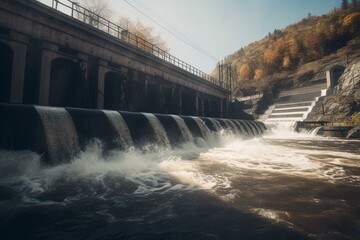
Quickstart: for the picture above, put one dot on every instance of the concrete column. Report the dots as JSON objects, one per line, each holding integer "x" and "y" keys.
{"x": 180, "y": 102}
{"x": 101, "y": 84}
{"x": 202, "y": 106}
{"x": 18, "y": 72}
{"x": 45, "y": 75}
{"x": 329, "y": 79}
{"x": 222, "y": 102}
{"x": 197, "y": 110}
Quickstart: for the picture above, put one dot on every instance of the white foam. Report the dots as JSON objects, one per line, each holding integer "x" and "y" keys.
{"x": 185, "y": 169}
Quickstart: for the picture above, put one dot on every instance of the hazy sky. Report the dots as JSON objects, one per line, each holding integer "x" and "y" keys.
{"x": 219, "y": 27}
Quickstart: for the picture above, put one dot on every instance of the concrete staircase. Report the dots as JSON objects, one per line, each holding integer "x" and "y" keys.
{"x": 295, "y": 104}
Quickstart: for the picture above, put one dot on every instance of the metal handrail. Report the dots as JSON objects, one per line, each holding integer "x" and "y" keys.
{"x": 86, "y": 16}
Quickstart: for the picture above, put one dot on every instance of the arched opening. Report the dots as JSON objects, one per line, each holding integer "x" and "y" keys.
{"x": 6, "y": 63}
{"x": 338, "y": 70}
{"x": 115, "y": 91}
{"x": 68, "y": 84}
{"x": 188, "y": 102}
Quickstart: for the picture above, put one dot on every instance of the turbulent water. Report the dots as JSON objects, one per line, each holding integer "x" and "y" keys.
{"x": 280, "y": 186}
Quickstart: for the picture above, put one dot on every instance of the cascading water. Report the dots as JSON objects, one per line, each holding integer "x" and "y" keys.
{"x": 250, "y": 128}
{"x": 120, "y": 126}
{"x": 232, "y": 126}
{"x": 185, "y": 132}
{"x": 247, "y": 128}
{"x": 242, "y": 128}
{"x": 281, "y": 186}
{"x": 204, "y": 129}
{"x": 255, "y": 127}
{"x": 314, "y": 131}
{"x": 159, "y": 130}
{"x": 61, "y": 136}
{"x": 216, "y": 124}
{"x": 239, "y": 127}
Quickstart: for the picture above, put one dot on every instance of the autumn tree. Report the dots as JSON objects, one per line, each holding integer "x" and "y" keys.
{"x": 94, "y": 11}
{"x": 140, "y": 35}
{"x": 283, "y": 50}
{"x": 351, "y": 22}
{"x": 244, "y": 71}
{"x": 259, "y": 74}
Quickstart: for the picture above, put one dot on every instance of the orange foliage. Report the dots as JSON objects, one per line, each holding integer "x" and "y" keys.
{"x": 310, "y": 39}
{"x": 244, "y": 71}
{"x": 259, "y": 74}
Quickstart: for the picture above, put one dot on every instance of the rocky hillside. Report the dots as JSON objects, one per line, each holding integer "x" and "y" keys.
{"x": 344, "y": 104}
{"x": 288, "y": 57}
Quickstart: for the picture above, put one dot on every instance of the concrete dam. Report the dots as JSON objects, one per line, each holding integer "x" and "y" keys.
{"x": 58, "y": 134}
{"x": 68, "y": 81}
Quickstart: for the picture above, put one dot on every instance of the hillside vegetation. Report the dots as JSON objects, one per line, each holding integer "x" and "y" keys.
{"x": 276, "y": 58}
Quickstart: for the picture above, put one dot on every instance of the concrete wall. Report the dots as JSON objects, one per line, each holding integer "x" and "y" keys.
{"x": 39, "y": 36}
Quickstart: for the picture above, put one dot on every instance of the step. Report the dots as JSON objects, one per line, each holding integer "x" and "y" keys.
{"x": 299, "y": 98}
{"x": 290, "y": 105}
{"x": 295, "y": 91}
{"x": 295, "y": 119}
{"x": 286, "y": 110}
{"x": 296, "y": 115}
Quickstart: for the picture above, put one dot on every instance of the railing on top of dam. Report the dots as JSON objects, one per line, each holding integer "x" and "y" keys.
{"x": 84, "y": 15}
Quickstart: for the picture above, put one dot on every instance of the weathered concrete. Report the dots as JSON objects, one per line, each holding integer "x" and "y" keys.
{"x": 60, "y": 61}
{"x": 336, "y": 131}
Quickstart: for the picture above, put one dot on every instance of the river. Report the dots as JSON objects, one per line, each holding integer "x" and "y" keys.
{"x": 280, "y": 186}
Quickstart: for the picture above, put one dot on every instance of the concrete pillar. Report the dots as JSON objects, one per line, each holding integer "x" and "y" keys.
{"x": 45, "y": 75}
{"x": 202, "y": 106}
{"x": 222, "y": 107}
{"x": 161, "y": 100}
{"x": 101, "y": 84}
{"x": 180, "y": 102}
{"x": 329, "y": 79}
{"x": 18, "y": 73}
{"x": 197, "y": 110}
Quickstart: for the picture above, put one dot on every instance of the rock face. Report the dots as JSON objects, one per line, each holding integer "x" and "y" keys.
{"x": 345, "y": 99}
{"x": 354, "y": 133}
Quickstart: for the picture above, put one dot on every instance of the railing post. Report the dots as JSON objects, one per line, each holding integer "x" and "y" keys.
{"x": 72, "y": 9}
{"x": 56, "y": 4}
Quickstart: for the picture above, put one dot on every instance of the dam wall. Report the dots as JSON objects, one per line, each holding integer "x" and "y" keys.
{"x": 58, "y": 133}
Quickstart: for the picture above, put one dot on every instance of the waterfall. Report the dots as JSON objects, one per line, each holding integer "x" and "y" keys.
{"x": 185, "y": 132}
{"x": 119, "y": 124}
{"x": 224, "y": 124}
{"x": 246, "y": 127}
{"x": 262, "y": 126}
{"x": 232, "y": 126}
{"x": 216, "y": 124}
{"x": 259, "y": 127}
{"x": 251, "y": 127}
{"x": 240, "y": 127}
{"x": 255, "y": 127}
{"x": 314, "y": 131}
{"x": 205, "y": 131}
{"x": 60, "y": 133}
{"x": 159, "y": 131}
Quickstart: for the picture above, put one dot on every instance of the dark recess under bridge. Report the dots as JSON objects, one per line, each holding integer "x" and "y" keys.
{"x": 64, "y": 56}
